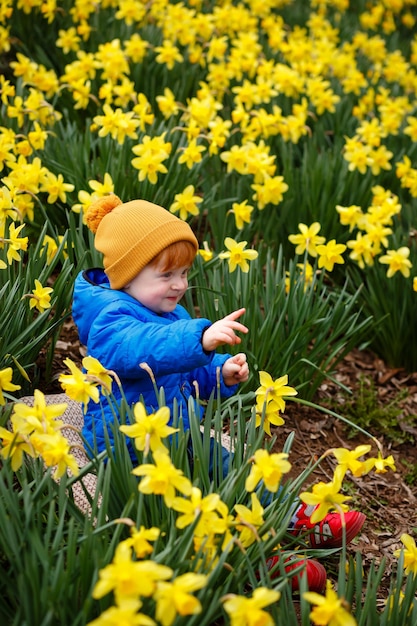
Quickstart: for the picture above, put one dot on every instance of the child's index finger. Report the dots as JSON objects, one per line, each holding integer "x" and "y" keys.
{"x": 236, "y": 314}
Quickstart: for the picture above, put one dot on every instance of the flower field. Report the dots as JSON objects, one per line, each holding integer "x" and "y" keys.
{"x": 285, "y": 133}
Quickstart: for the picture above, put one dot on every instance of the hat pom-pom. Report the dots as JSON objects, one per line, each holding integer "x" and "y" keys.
{"x": 99, "y": 209}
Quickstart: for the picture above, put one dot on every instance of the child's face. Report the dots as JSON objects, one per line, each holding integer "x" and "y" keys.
{"x": 160, "y": 291}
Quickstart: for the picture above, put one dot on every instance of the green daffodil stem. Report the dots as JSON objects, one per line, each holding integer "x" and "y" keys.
{"x": 341, "y": 582}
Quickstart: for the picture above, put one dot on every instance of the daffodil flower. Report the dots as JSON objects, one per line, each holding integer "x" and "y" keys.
{"x": 68, "y": 40}
{"x": 349, "y": 460}
{"x": 270, "y": 191}
{"x": 207, "y": 254}
{"x": 196, "y": 507}
{"x": 245, "y": 611}
{"x": 41, "y": 297}
{"x": 330, "y": 610}
{"x": 237, "y": 255}
{"x": 144, "y": 111}
{"x": 397, "y": 261}
{"x": 167, "y": 103}
{"x": 175, "y": 598}
{"x": 268, "y": 411}
{"x": 242, "y": 212}
{"x": 150, "y": 154}
{"x": 162, "y": 478}
{"x": 275, "y": 390}
{"x": 140, "y": 540}
{"x": 191, "y": 154}
{"x": 85, "y": 199}
{"x": 129, "y": 579}
{"x": 51, "y": 248}
{"x": 36, "y": 432}
{"x": 363, "y": 250}
{"x": 102, "y": 188}
{"x": 125, "y": 614}
{"x": 168, "y": 54}
{"x": 410, "y": 554}
{"x": 308, "y": 239}
{"x": 185, "y": 203}
{"x": 6, "y": 383}
{"x": 149, "y": 430}
{"x": 330, "y": 254}
{"x": 15, "y": 242}
{"x": 41, "y": 417}
{"x": 269, "y": 468}
{"x": 96, "y": 372}
{"x": 77, "y": 386}
{"x": 249, "y": 520}
{"x": 306, "y": 273}
{"x": 118, "y": 123}
{"x": 222, "y": 524}
{"x": 381, "y": 464}
{"x": 55, "y": 450}
{"x": 14, "y": 446}
{"x": 56, "y": 187}
{"x": 357, "y": 154}
{"x": 6, "y": 206}
{"x": 349, "y": 215}
{"x": 325, "y": 497}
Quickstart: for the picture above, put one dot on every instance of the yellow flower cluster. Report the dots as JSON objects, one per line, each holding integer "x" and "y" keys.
{"x": 326, "y": 497}
{"x": 245, "y": 53}
{"x": 373, "y": 227}
{"x": 270, "y": 400}
{"x": 25, "y": 181}
{"x": 83, "y": 386}
{"x": 309, "y": 242}
{"x": 36, "y": 431}
{"x": 133, "y": 580}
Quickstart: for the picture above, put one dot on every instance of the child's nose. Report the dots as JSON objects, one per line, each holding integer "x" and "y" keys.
{"x": 180, "y": 282}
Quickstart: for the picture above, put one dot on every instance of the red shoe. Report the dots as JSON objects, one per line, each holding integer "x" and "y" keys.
{"x": 311, "y": 569}
{"x": 329, "y": 532}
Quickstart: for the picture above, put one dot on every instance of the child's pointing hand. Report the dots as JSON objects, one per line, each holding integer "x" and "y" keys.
{"x": 224, "y": 331}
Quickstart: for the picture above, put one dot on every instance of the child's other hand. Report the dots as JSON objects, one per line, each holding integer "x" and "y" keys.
{"x": 223, "y": 331}
{"x": 235, "y": 370}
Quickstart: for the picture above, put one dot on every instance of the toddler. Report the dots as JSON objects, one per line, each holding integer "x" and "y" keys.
{"x": 129, "y": 313}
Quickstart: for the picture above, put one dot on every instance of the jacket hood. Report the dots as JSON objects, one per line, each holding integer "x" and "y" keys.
{"x": 92, "y": 292}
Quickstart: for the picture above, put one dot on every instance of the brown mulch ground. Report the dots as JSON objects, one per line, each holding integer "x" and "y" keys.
{"x": 388, "y": 500}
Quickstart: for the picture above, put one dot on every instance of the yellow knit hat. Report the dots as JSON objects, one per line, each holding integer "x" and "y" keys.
{"x": 131, "y": 234}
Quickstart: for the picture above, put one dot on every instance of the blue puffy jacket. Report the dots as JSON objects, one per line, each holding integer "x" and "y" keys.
{"x": 122, "y": 333}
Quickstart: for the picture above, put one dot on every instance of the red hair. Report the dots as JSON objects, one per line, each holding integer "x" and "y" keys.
{"x": 178, "y": 254}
